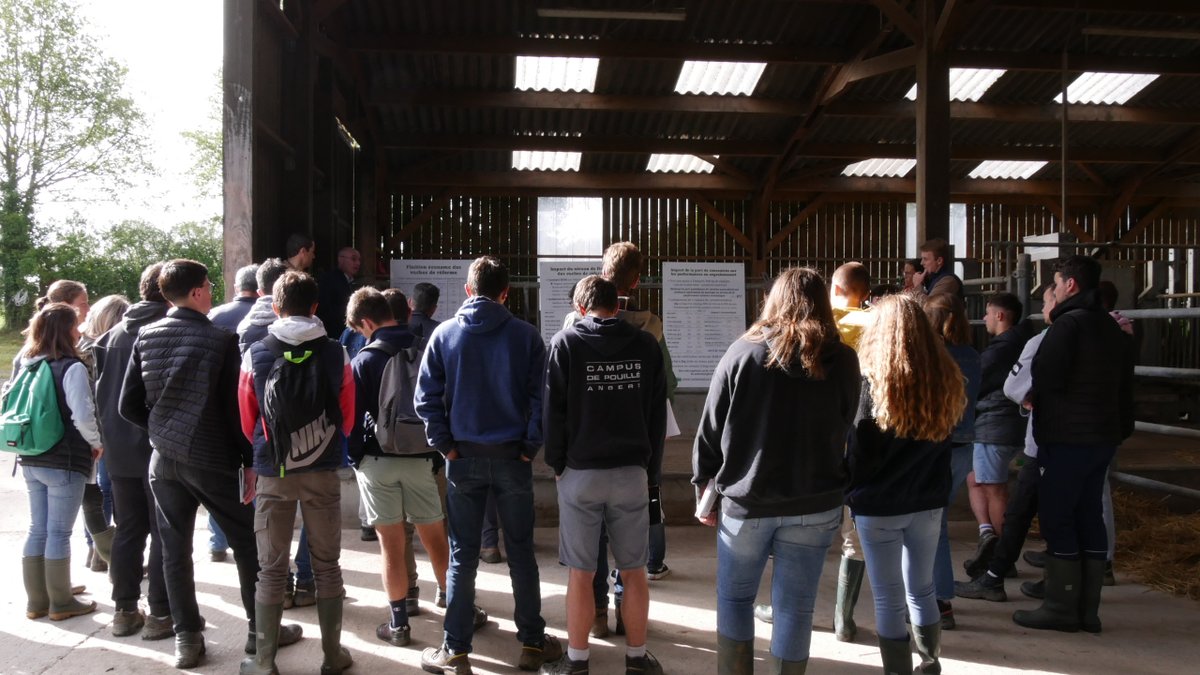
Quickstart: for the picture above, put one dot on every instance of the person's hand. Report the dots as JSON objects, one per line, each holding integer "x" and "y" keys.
{"x": 525, "y": 459}
{"x": 97, "y": 453}
{"x": 918, "y": 280}
{"x": 249, "y": 485}
{"x": 452, "y": 455}
{"x": 710, "y": 520}
{"x": 1027, "y": 404}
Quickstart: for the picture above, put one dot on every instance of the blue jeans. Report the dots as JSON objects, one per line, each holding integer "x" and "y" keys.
{"x": 468, "y": 481}
{"x": 943, "y": 565}
{"x": 799, "y": 544}
{"x": 54, "y": 499}
{"x": 217, "y": 542}
{"x": 304, "y": 570}
{"x": 105, "y": 483}
{"x": 899, "y": 552}
{"x": 1070, "y": 499}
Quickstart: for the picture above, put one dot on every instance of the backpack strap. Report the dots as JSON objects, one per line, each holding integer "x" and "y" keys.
{"x": 383, "y": 347}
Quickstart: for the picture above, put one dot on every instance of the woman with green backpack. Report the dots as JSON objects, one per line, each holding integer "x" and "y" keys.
{"x": 55, "y": 475}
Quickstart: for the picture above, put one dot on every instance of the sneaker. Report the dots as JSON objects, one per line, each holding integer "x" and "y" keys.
{"x": 948, "y": 622}
{"x": 1035, "y": 558}
{"x": 480, "y": 618}
{"x": 127, "y": 622}
{"x": 218, "y": 556}
{"x": 442, "y": 660}
{"x": 764, "y": 613}
{"x": 412, "y": 601}
{"x": 533, "y": 656}
{"x": 368, "y": 534}
{"x": 600, "y": 624}
{"x": 305, "y": 595}
{"x": 655, "y": 575}
{"x": 643, "y": 665}
{"x": 982, "y": 587}
{"x": 158, "y": 628}
{"x": 983, "y": 554}
{"x": 490, "y": 555}
{"x": 565, "y": 666}
{"x": 397, "y": 637}
{"x": 439, "y": 600}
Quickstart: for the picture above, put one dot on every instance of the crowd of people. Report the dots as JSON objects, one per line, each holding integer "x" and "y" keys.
{"x": 845, "y": 411}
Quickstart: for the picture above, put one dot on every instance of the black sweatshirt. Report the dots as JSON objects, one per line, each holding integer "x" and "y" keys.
{"x": 775, "y": 439}
{"x": 605, "y": 404}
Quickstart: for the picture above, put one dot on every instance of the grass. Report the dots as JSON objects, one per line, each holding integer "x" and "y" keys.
{"x": 10, "y": 344}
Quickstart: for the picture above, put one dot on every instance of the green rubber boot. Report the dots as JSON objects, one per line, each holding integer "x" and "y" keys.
{"x": 783, "y": 667}
{"x": 1060, "y": 608}
{"x": 329, "y": 616}
{"x": 1093, "y": 572}
{"x": 63, "y": 604}
{"x": 266, "y": 640}
{"x": 103, "y": 542}
{"x": 33, "y": 570}
{"x": 850, "y": 577}
{"x": 734, "y": 657}
{"x": 929, "y": 646}
{"x": 896, "y": 655}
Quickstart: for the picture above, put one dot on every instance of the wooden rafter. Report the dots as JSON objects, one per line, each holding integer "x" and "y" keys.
{"x": 725, "y": 167}
{"x": 1149, "y": 217}
{"x": 1076, "y": 229}
{"x": 898, "y": 14}
{"x": 439, "y": 202}
{"x": 720, "y": 219}
{"x": 796, "y": 221}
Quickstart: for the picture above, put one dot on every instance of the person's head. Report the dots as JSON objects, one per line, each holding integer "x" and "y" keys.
{"x": 796, "y": 321}
{"x": 948, "y": 316}
{"x": 1074, "y": 275}
{"x": 294, "y": 294}
{"x": 148, "y": 285}
{"x": 622, "y": 265}
{"x": 881, "y": 291}
{"x": 300, "y": 250}
{"x": 488, "y": 277}
{"x": 53, "y": 332}
{"x": 349, "y": 261}
{"x": 1003, "y": 312}
{"x": 935, "y": 254}
{"x": 68, "y": 292}
{"x": 105, "y": 314}
{"x": 268, "y": 273}
{"x": 398, "y": 302}
{"x": 1048, "y": 303}
{"x": 367, "y": 311}
{"x": 1108, "y": 294}
{"x": 899, "y": 343}
{"x": 184, "y": 283}
{"x": 246, "y": 280}
{"x": 850, "y": 285}
{"x": 595, "y": 295}
{"x": 425, "y": 298}
{"x": 910, "y": 268}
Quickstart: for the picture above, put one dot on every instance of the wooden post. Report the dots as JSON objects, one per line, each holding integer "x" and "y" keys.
{"x": 238, "y": 123}
{"x": 933, "y": 130}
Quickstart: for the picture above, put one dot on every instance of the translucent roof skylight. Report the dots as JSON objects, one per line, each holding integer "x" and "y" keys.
{"x": 537, "y": 160}
{"x": 966, "y": 84}
{"x": 719, "y": 77}
{"x": 993, "y": 168}
{"x": 1111, "y": 88}
{"x": 556, "y": 73}
{"x": 896, "y": 168}
{"x": 678, "y": 164}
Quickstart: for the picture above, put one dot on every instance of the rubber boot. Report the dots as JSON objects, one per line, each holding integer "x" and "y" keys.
{"x": 783, "y": 667}
{"x": 63, "y": 604}
{"x": 266, "y": 640}
{"x": 734, "y": 657}
{"x": 103, "y": 543}
{"x": 33, "y": 569}
{"x": 1089, "y": 594}
{"x": 850, "y": 577}
{"x": 896, "y": 655}
{"x": 1060, "y": 608}
{"x": 329, "y": 616}
{"x": 189, "y": 649}
{"x": 929, "y": 646}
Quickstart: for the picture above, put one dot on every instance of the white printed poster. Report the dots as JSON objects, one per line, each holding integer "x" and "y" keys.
{"x": 704, "y": 311}
{"x": 448, "y": 275}
{"x": 556, "y": 278}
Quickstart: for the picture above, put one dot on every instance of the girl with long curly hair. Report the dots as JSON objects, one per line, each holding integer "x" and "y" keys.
{"x": 899, "y": 454}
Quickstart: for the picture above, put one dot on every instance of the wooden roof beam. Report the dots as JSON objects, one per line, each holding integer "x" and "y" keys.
{"x": 1142, "y": 7}
{"x": 900, "y": 17}
{"x": 572, "y": 100}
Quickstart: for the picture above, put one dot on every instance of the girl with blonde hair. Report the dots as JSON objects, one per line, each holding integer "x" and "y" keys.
{"x": 771, "y": 443}
{"x": 899, "y": 454}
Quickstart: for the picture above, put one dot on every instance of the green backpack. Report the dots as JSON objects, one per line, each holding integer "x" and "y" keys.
{"x": 29, "y": 417}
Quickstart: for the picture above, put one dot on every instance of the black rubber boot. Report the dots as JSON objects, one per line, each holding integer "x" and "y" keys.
{"x": 734, "y": 657}
{"x": 33, "y": 570}
{"x": 896, "y": 655}
{"x": 189, "y": 649}
{"x": 850, "y": 577}
{"x": 266, "y": 640}
{"x": 1089, "y": 594}
{"x": 329, "y": 616}
{"x": 782, "y": 667}
{"x": 1060, "y": 608}
{"x": 929, "y": 646}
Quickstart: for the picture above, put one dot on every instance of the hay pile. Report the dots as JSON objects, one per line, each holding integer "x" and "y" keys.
{"x": 1158, "y": 548}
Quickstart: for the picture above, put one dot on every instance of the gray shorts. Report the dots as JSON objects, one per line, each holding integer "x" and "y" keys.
{"x": 618, "y": 498}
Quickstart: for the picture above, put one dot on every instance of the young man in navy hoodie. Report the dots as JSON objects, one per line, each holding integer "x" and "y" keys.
{"x": 307, "y": 476}
{"x": 480, "y": 396}
{"x": 605, "y": 416}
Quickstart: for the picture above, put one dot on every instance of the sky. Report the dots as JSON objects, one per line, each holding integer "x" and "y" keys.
{"x": 173, "y": 52}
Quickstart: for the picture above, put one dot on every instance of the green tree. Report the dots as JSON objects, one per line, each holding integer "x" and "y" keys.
{"x": 63, "y": 118}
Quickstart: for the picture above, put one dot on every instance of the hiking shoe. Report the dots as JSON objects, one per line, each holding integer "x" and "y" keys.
{"x": 600, "y": 624}
{"x": 480, "y": 617}
{"x": 369, "y": 534}
{"x": 565, "y": 666}
{"x": 982, "y": 587}
{"x": 490, "y": 555}
{"x": 305, "y": 595}
{"x": 533, "y": 656}
{"x": 764, "y": 613}
{"x": 397, "y": 637}
{"x": 1034, "y": 589}
{"x": 656, "y": 574}
{"x": 439, "y": 600}
{"x": 158, "y": 628}
{"x": 643, "y": 665}
{"x": 948, "y": 622}
{"x": 442, "y": 660}
{"x": 412, "y": 601}
{"x": 1034, "y": 558}
{"x": 127, "y": 622}
{"x": 218, "y": 556}
{"x": 983, "y": 554}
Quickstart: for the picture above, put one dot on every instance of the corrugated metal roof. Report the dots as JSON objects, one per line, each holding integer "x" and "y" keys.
{"x": 966, "y": 84}
{"x": 880, "y": 167}
{"x": 1006, "y": 169}
{"x": 1106, "y": 88}
{"x": 718, "y": 77}
{"x": 527, "y": 160}
{"x": 556, "y": 73}
{"x": 661, "y": 163}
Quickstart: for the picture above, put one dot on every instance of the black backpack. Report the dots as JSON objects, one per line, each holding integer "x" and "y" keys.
{"x": 299, "y": 407}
